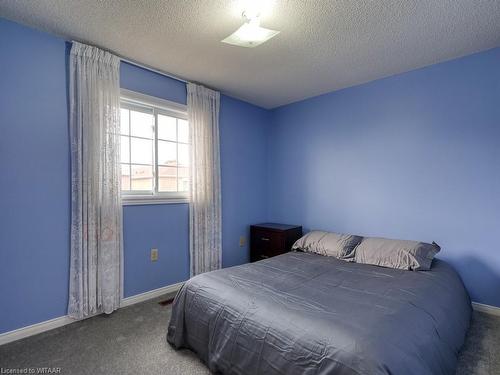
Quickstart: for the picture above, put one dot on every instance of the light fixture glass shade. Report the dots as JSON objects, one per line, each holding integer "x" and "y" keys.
{"x": 250, "y": 34}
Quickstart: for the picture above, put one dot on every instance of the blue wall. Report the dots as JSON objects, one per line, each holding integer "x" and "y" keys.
{"x": 243, "y": 134}
{"x": 34, "y": 149}
{"x": 413, "y": 156}
{"x": 34, "y": 177}
{"x": 165, "y": 227}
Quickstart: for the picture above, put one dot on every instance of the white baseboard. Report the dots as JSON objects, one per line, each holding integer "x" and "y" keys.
{"x": 34, "y": 329}
{"x": 488, "y": 309}
{"x": 151, "y": 294}
{"x": 47, "y": 325}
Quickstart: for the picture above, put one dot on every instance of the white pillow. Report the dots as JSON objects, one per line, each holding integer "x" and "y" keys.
{"x": 330, "y": 244}
{"x": 399, "y": 254}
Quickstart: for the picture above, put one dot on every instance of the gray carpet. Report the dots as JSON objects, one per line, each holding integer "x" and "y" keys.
{"x": 132, "y": 341}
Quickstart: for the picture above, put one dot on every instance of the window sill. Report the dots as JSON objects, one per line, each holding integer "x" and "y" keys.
{"x": 147, "y": 200}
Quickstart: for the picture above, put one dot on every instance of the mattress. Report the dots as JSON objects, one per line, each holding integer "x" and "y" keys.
{"x": 302, "y": 313}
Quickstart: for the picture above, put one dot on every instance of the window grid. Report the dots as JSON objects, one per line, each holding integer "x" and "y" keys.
{"x": 177, "y": 142}
{"x": 131, "y": 162}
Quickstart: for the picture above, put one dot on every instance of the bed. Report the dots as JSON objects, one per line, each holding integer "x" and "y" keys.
{"x": 303, "y": 313}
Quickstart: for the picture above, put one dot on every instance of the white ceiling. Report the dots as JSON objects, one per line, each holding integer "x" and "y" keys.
{"x": 324, "y": 45}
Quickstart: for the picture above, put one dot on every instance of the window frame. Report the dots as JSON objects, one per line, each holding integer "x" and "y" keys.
{"x": 132, "y": 99}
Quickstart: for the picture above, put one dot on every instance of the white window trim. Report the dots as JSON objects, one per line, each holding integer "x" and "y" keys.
{"x": 141, "y": 200}
{"x": 166, "y": 107}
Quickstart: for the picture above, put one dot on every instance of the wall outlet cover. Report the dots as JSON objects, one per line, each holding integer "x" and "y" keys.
{"x": 154, "y": 255}
{"x": 243, "y": 241}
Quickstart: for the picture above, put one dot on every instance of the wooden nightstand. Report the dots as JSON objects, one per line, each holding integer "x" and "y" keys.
{"x": 271, "y": 239}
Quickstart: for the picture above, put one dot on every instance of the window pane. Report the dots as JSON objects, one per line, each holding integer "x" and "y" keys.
{"x": 125, "y": 177}
{"x": 183, "y": 129}
{"x": 167, "y": 179}
{"x": 124, "y": 121}
{"x": 141, "y": 124}
{"x": 125, "y": 149}
{"x": 141, "y": 151}
{"x": 183, "y": 154}
{"x": 142, "y": 177}
{"x": 167, "y": 153}
{"x": 167, "y": 128}
{"x": 183, "y": 184}
{"x": 183, "y": 179}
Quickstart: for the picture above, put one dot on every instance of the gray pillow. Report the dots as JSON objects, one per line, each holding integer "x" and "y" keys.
{"x": 400, "y": 254}
{"x": 340, "y": 246}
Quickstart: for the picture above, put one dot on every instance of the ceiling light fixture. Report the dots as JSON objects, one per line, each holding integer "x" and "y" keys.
{"x": 250, "y": 34}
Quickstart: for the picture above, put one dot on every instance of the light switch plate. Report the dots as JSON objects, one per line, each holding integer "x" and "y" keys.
{"x": 154, "y": 255}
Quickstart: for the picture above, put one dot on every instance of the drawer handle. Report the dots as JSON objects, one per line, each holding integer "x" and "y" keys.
{"x": 264, "y": 239}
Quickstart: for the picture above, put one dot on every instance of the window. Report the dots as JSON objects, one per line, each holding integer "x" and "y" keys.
{"x": 154, "y": 149}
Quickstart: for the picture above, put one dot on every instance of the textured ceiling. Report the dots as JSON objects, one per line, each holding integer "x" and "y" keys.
{"x": 324, "y": 45}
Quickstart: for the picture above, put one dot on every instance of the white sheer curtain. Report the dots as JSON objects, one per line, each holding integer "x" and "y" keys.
{"x": 96, "y": 213}
{"x": 205, "y": 232}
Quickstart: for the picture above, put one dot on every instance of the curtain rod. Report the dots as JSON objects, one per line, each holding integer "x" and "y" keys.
{"x": 147, "y": 67}
{"x": 143, "y": 66}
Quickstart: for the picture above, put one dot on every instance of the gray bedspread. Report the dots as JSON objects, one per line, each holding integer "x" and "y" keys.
{"x": 302, "y": 313}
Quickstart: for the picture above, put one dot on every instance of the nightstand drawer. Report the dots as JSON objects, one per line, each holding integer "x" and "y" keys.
{"x": 267, "y": 242}
{"x": 270, "y": 239}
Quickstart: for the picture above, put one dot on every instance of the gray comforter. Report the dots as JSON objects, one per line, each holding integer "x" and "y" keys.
{"x": 302, "y": 313}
